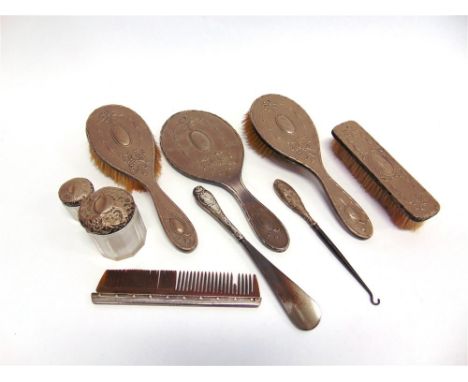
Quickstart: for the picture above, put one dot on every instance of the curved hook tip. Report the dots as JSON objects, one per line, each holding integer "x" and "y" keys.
{"x": 374, "y": 302}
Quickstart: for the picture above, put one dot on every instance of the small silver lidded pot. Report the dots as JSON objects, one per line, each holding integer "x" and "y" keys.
{"x": 111, "y": 218}
{"x": 73, "y": 192}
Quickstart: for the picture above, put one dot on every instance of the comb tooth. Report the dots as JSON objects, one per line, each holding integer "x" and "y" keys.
{"x": 202, "y": 281}
{"x": 249, "y": 289}
{"x": 192, "y": 279}
{"x": 255, "y": 291}
{"x": 184, "y": 285}
{"x": 223, "y": 282}
{"x": 216, "y": 282}
{"x": 197, "y": 281}
{"x": 187, "y": 282}
{"x": 190, "y": 282}
{"x": 187, "y": 286}
{"x": 181, "y": 280}
{"x": 197, "y": 284}
{"x": 203, "y": 284}
{"x": 238, "y": 284}
{"x": 215, "y": 279}
{"x": 189, "y": 279}
{"x": 209, "y": 283}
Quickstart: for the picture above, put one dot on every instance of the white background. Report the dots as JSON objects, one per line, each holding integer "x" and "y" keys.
{"x": 403, "y": 79}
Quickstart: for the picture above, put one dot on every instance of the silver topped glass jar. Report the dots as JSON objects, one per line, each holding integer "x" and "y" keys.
{"x": 73, "y": 192}
{"x": 111, "y": 218}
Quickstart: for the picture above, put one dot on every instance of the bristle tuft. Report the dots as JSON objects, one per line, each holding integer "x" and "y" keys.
{"x": 125, "y": 181}
{"x": 397, "y": 214}
{"x": 157, "y": 161}
{"x": 254, "y": 140}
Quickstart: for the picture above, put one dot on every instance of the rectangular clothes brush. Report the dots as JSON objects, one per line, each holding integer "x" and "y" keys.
{"x": 407, "y": 202}
{"x": 155, "y": 287}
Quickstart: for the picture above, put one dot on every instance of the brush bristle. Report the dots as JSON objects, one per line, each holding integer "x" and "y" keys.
{"x": 157, "y": 161}
{"x": 125, "y": 181}
{"x": 397, "y": 214}
{"x": 254, "y": 140}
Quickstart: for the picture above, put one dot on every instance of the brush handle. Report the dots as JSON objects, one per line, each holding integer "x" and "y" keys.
{"x": 177, "y": 226}
{"x": 348, "y": 210}
{"x": 301, "y": 309}
{"x": 266, "y": 225}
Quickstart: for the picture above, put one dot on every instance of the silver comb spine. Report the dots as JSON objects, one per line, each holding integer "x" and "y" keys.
{"x": 152, "y": 299}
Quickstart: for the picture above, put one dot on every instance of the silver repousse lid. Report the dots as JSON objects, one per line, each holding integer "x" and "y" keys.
{"x": 106, "y": 211}
{"x": 74, "y": 191}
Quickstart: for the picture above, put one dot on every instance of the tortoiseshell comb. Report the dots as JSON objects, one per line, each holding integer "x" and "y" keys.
{"x": 154, "y": 287}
